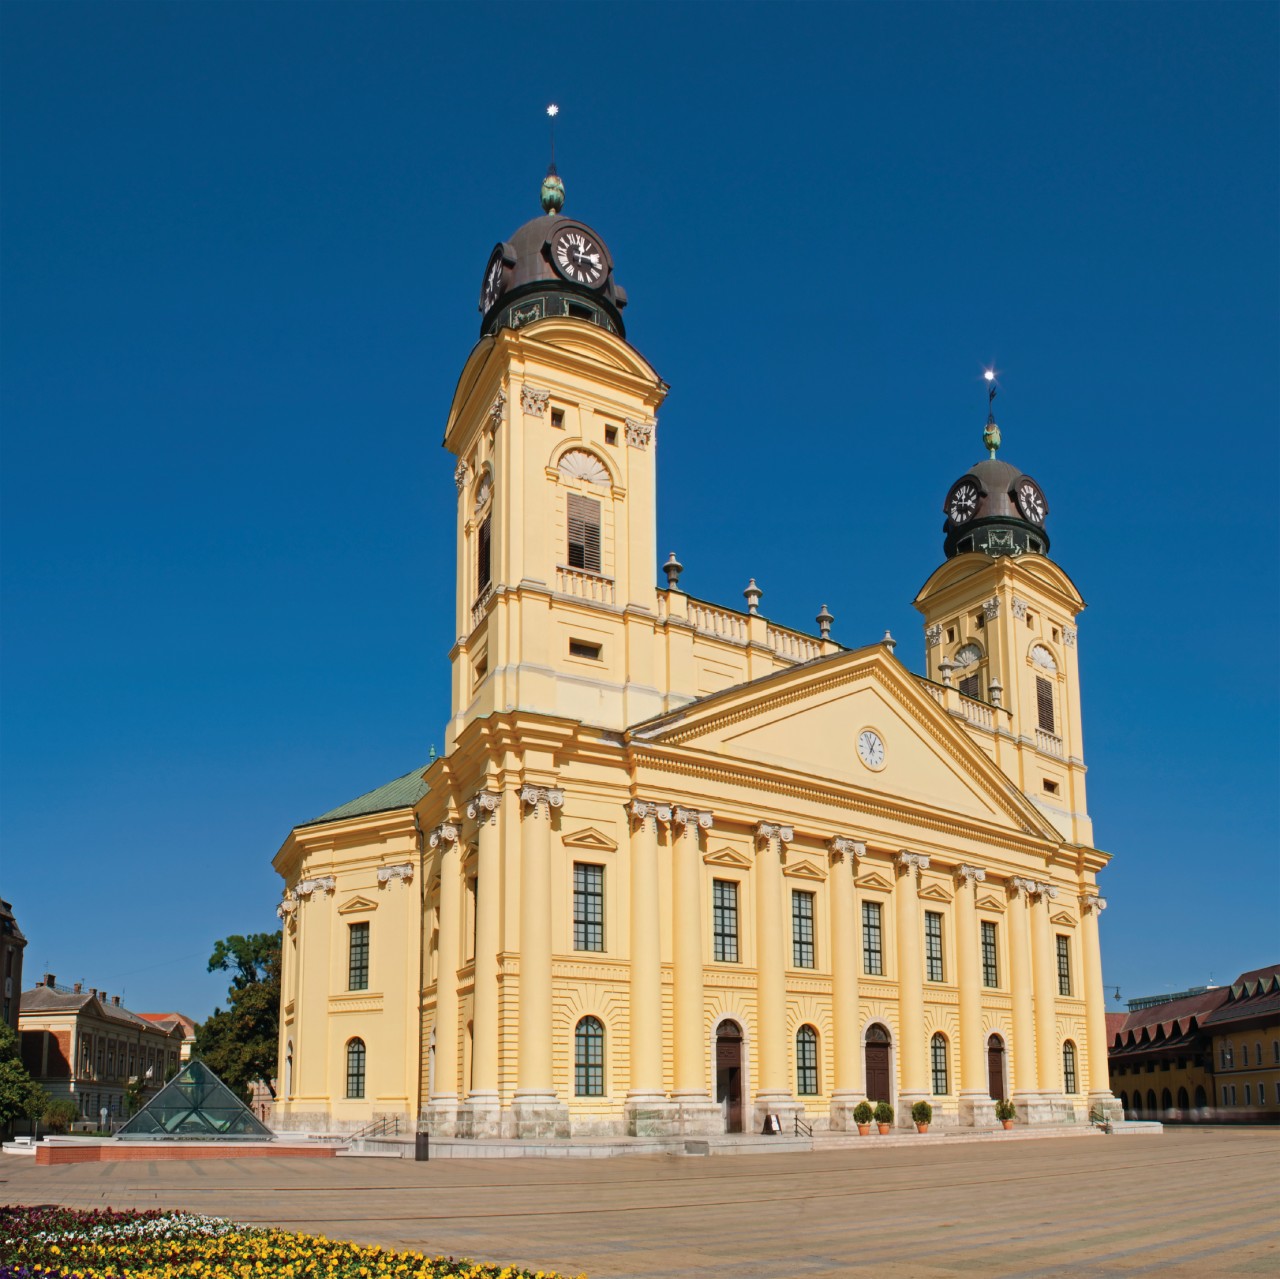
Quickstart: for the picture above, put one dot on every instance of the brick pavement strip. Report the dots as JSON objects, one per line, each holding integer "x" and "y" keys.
{"x": 1191, "y": 1203}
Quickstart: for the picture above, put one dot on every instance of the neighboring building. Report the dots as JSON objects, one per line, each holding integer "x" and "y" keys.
{"x": 680, "y": 867}
{"x": 86, "y": 1046}
{"x": 12, "y": 944}
{"x": 167, "y": 1021}
{"x": 261, "y": 1101}
{"x": 1209, "y": 1056}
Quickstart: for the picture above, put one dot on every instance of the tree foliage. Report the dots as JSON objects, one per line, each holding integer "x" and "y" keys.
{"x": 20, "y": 1096}
{"x": 238, "y": 1043}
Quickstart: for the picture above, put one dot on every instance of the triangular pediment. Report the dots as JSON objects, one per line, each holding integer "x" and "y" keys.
{"x": 805, "y": 870}
{"x": 872, "y": 880}
{"x": 806, "y": 722}
{"x": 727, "y": 857}
{"x": 991, "y": 901}
{"x": 353, "y": 905}
{"x": 1062, "y": 917}
{"x": 592, "y": 839}
{"x": 935, "y": 893}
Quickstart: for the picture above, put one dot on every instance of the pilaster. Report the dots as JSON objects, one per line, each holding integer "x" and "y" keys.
{"x": 442, "y": 1105}
{"x": 914, "y": 1079}
{"x": 843, "y": 855}
{"x": 1100, "y": 1095}
{"x": 977, "y": 1108}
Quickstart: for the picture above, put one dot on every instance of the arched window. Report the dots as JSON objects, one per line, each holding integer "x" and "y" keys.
{"x": 1124, "y": 1102}
{"x": 807, "y": 1061}
{"x": 355, "y": 1068}
{"x": 1166, "y": 1103}
{"x": 1184, "y": 1102}
{"x": 938, "y": 1059}
{"x": 588, "y": 1058}
{"x": 1069, "y": 1067}
{"x": 1151, "y": 1103}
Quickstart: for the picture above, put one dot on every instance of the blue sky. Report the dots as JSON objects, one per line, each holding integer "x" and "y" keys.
{"x": 241, "y": 246}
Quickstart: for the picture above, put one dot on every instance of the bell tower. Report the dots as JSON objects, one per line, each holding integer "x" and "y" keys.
{"x": 1000, "y": 624}
{"x": 553, "y": 425}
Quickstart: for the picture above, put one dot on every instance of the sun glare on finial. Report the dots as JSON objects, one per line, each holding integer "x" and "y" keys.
{"x": 553, "y": 110}
{"x": 990, "y": 375}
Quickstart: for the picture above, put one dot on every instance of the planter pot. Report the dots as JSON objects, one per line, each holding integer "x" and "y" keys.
{"x": 863, "y": 1129}
{"x": 884, "y": 1129}
{"x": 922, "y": 1127}
{"x": 1008, "y": 1123}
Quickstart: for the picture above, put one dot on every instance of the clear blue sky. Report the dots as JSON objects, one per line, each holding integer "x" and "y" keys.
{"x": 242, "y": 245}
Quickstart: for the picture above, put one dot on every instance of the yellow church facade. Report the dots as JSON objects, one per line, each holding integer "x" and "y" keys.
{"x": 680, "y": 868}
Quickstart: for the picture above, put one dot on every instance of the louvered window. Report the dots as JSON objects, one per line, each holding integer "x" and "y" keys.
{"x": 484, "y": 557}
{"x": 1044, "y": 704}
{"x": 584, "y": 533}
{"x": 971, "y": 686}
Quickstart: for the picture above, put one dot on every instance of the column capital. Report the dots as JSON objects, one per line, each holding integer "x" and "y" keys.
{"x": 907, "y": 862}
{"x": 483, "y": 806}
{"x": 324, "y": 884}
{"x": 445, "y": 833}
{"x": 767, "y": 832}
{"x": 1032, "y": 888}
{"x": 1091, "y": 903}
{"x": 402, "y": 871}
{"x": 841, "y": 849}
{"x": 971, "y": 874}
{"x": 640, "y": 810}
{"x": 534, "y": 797}
{"x": 692, "y": 818}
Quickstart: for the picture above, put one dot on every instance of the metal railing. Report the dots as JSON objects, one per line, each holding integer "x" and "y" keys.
{"x": 803, "y": 1129}
{"x": 387, "y": 1126}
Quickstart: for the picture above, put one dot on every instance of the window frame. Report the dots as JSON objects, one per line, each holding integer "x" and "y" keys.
{"x": 939, "y": 1065}
{"x": 1070, "y": 1073}
{"x": 802, "y": 946}
{"x": 357, "y": 1068}
{"x": 484, "y": 554}
{"x": 358, "y": 956}
{"x": 989, "y": 945}
{"x": 1045, "y": 709}
{"x": 935, "y": 968}
{"x": 588, "y": 1057}
{"x": 724, "y": 922}
{"x": 588, "y": 907}
{"x": 1062, "y": 946}
{"x": 873, "y": 939}
{"x": 584, "y": 516}
{"x": 807, "y": 1062}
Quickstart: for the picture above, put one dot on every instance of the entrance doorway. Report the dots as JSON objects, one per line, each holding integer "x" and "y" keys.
{"x": 995, "y": 1068}
{"x": 879, "y": 1085}
{"x": 729, "y": 1074}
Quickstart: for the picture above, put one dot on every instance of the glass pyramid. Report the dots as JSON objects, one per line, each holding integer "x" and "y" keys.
{"x": 195, "y": 1105}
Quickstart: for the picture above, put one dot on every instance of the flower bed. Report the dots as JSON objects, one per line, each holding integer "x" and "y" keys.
{"x": 63, "y": 1243}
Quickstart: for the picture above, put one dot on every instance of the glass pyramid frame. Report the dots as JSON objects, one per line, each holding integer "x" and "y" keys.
{"x": 195, "y": 1105}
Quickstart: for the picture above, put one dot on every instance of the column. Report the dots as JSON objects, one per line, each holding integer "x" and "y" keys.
{"x": 1043, "y": 961}
{"x": 536, "y": 1111}
{"x": 697, "y": 1112}
{"x": 914, "y": 1064}
{"x": 976, "y": 1106}
{"x": 483, "y": 1101}
{"x": 1095, "y": 1010}
{"x": 845, "y": 962}
{"x": 647, "y": 1105}
{"x": 1023, "y": 1057}
{"x": 442, "y": 1106}
{"x": 773, "y": 1086}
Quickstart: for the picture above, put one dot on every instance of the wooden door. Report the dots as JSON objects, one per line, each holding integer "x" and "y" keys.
{"x": 729, "y": 1074}
{"x": 879, "y": 1084}
{"x": 995, "y": 1068}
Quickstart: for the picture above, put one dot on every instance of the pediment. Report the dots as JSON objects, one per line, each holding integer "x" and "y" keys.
{"x": 1062, "y": 917}
{"x": 727, "y": 857}
{"x": 805, "y": 723}
{"x": 873, "y": 880}
{"x": 354, "y": 905}
{"x": 991, "y": 901}
{"x": 805, "y": 870}
{"x": 592, "y": 839}
{"x": 935, "y": 893}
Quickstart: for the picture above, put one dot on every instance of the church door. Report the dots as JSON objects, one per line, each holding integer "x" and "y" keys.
{"x": 995, "y": 1067}
{"x": 879, "y": 1086}
{"x": 729, "y": 1074}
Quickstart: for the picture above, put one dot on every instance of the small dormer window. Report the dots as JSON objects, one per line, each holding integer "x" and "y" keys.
{"x": 557, "y": 419}
{"x": 611, "y": 435}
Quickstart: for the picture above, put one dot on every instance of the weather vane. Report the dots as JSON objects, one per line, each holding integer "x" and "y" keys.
{"x": 552, "y": 187}
{"x": 991, "y": 436}
{"x": 552, "y": 112}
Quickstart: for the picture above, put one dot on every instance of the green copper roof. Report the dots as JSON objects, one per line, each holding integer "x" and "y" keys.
{"x": 403, "y": 792}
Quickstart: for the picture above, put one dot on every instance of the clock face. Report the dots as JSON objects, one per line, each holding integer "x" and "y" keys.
{"x": 870, "y": 748}
{"x": 491, "y": 287}
{"x": 1031, "y": 501}
{"x": 963, "y": 501}
{"x": 578, "y": 256}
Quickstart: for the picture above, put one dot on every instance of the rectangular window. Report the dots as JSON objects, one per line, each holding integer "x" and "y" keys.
{"x": 358, "y": 957}
{"x": 584, "y": 533}
{"x": 1064, "y": 965}
{"x": 557, "y": 419}
{"x": 1248, "y": 1095}
{"x": 1044, "y": 704}
{"x": 801, "y": 929}
{"x": 724, "y": 920}
{"x": 1244, "y": 1054}
{"x": 580, "y": 648}
{"x": 484, "y": 557}
{"x": 872, "y": 940}
{"x": 971, "y": 686}
{"x": 933, "y": 970}
{"x": 990, "y": 964}
{"x": 588, "y": 907}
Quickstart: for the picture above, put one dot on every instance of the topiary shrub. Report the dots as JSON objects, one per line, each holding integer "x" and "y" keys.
{"x": 1006, "y": 1110}
{"x": 883, "y": 1113}
{"x": 922, "y": 1113}
{"x": 862, "y": 1113}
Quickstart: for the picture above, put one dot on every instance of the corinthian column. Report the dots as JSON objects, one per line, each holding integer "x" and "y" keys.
{"x": 646, "y": 1102}
{"x": 844, "y": 854}
{"x": 1025, "y": 1084}
{"x": 442, "y": 1106}
{"x": 911, "y": 1048}
{"x": 482, "y": 1118}
{"x": 1095, "y": 1010}
{"x": 773, "y": 1092}
{"x": 536, "y": 1110}
{"x": 1048, "y": 1056}
{"x": 976, "y": 1107}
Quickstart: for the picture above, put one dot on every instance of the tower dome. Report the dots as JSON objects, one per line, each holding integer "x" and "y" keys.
{"x": 552, "y": 265}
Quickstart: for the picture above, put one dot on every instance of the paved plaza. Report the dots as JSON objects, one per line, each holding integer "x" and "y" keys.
{"x": 1191, "y": 1202}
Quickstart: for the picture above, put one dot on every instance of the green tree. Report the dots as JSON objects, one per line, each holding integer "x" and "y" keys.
{"x": 238, "y": 1043}
{"x": 59, "y": 1113}
{"x": 20, "y": 1096}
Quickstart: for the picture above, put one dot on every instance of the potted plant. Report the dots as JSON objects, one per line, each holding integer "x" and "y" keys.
{"x": 862, "y": 1116}
{"x": 1005, "y": 1112}
{"x": 883, "y": 1115}
{"x": 922, "y": 1115}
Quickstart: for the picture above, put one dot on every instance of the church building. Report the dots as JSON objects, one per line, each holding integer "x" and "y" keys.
{"x": 680, "y": 868}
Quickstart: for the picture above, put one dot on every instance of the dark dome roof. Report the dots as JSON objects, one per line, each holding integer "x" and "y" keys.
{"x": 984, "y": 512}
